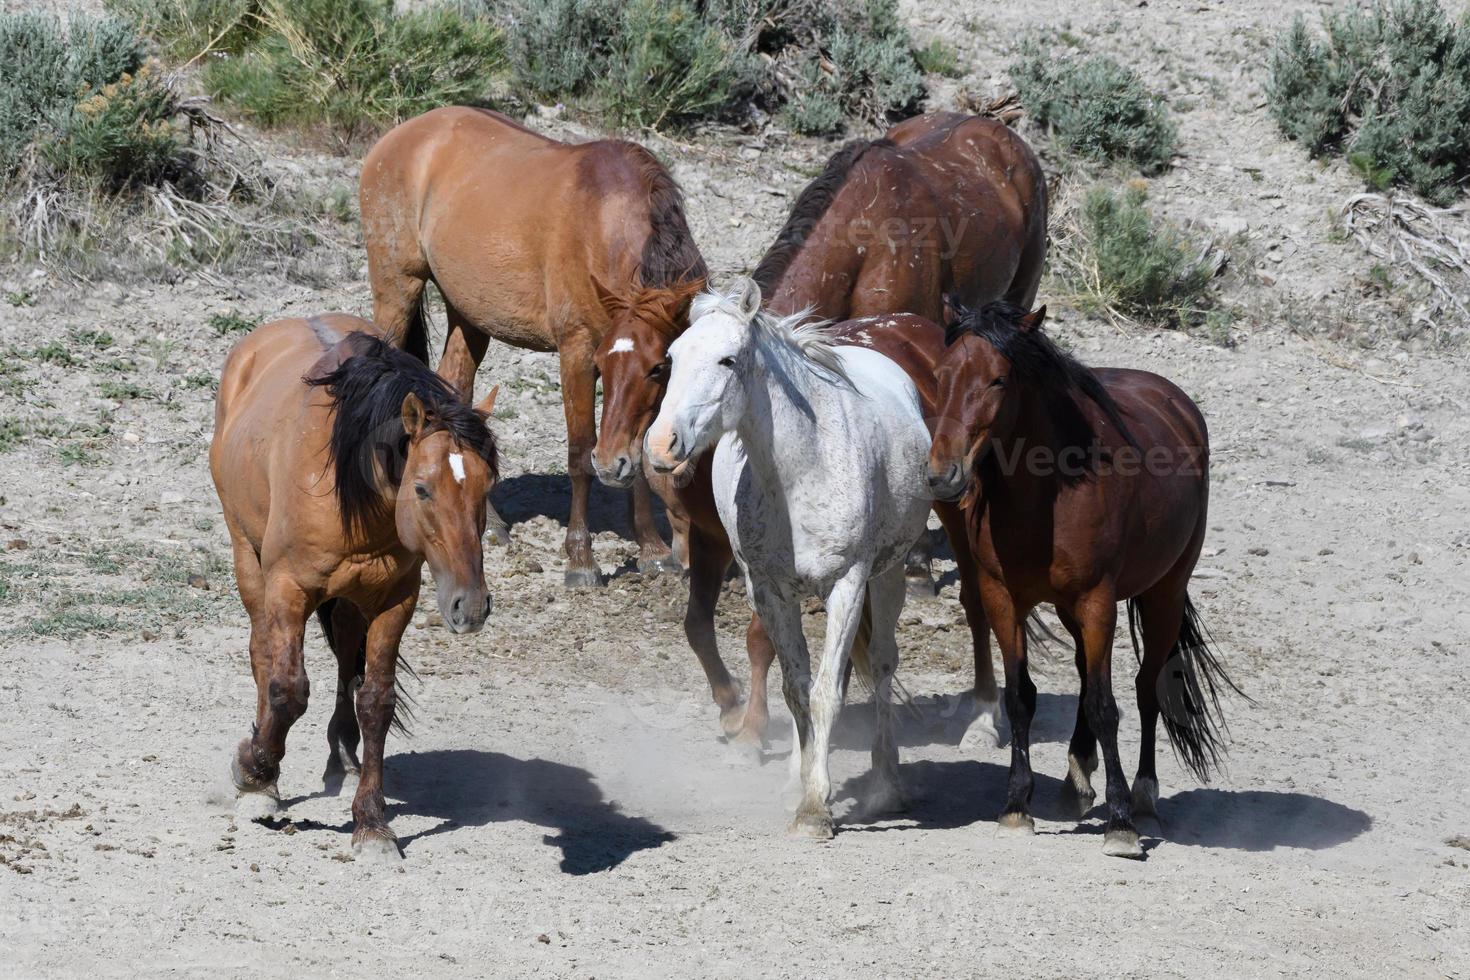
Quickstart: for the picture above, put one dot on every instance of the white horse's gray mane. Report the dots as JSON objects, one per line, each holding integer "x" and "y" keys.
{"x": 810, "y": 337}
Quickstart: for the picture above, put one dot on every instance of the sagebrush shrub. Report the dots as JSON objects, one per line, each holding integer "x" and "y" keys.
{"x": 187, "y": 28}
{"x": 666, "y": 63}
{"x": 356, "y": 66}
{"x": 120, "y": 134}
{"x": 1137, "y": 264}
{"x": 1095, "y": 107}
{"x": 1388, "y": 86}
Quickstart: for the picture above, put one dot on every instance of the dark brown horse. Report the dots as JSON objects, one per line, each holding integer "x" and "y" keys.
{"x": 343, "y": 464}
{"x": 944, "y": 201}
{"x": 1082, "y": 489}
{"x": 522, "y": 235}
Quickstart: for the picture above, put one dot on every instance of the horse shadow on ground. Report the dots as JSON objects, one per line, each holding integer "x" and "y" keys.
{"x": 520, "y": 498}
{"x": 948, "y": 795}
{"x": 473, "y": 788}
{"x": 942, "y": 719}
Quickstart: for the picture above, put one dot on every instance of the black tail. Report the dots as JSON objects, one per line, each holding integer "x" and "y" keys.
{"x": 416, "y": 338}
{"x": 404, "y": 702}
{"x": 1188, "y": 688}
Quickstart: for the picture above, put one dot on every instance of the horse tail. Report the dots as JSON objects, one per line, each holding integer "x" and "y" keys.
{"x": 416, "y": 336}
{"x": 400, "y": 720}
{"x": 1188, "y": 687}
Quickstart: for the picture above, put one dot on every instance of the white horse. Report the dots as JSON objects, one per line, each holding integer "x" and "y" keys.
{"x": 820, "y": 480}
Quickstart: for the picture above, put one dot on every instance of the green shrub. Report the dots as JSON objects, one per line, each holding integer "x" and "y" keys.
{"x": 866, "y": 67}
{"x": 47, "y": 68}
{"x": 356, "y": 66}
{"x": 938, "y": 58}
{"x": 558, "y": 47}
{"x": 1388, "y": 86}
{"x": 185, "y": 29}
{"x": 1137, "y": 265}
{"x": 666, "y": 63}
{"x": 122, "y": 134}
{"x": 1095, "y": 107}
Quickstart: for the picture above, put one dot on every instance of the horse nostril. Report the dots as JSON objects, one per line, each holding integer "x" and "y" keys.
{"x": 456, "y": 609}
{"x": 623, "y": 466}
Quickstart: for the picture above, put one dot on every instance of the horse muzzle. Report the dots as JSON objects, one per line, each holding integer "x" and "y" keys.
{"x": 465, "y": 610}
{"x": 620, "y": 473}
{"x": 947, "y": 483}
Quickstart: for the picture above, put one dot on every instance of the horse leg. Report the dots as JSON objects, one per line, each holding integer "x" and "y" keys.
{"x": 653, "y": 555}
{"x": 781, "y": 622}
{"x": 578, "y": 388}
{"x": 1161, "y": 614}
{"x": 1098, "y": 615}
{"x": 885, "y": 603}
{"x": 984, "y": 728}
{"x": 464, "y": 348}
{"x": 708, "y": 559}
{"x": 759, "y": 649}
{"x": 346, "y": 633}
{"x": 917, "y": 568}
{"x": 844, "y": 614}
{"x": 1009, "y": 623}
{"x": 281, "y": 694}
{"x": 376, "y": 701}
{"x": 1077, "y": 791}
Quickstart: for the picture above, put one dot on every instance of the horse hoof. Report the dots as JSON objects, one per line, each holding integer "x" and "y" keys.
{"x": 743, "y": 750}
{"x": 984, "y": 728}
{"x": 811, "y": 826}
{"x": 732, "y": 720}
{"x": 920, "y": 585}
{"x": 582, "y": 578}
{"x": 1076, "y": 803}
{"x": 498, "y": 535}
{"x": 1122, "y": 844}
{"x": 884, "y": 800}
{"x": 376, "y": 847}
{"x": 1077, "y": 792}
{"x": 258, "y": 806}
{"x": 1015, "y": 825}
{"x": 657, "y": 566}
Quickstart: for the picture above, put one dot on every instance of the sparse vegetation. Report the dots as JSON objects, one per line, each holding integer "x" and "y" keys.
{"x": 1388, "y": 87}
{"x": 1123, "y": 260}
{"x": 938, "y": 58}
{"x": 233, "y": 322}
{"x": 1095, "y": 107}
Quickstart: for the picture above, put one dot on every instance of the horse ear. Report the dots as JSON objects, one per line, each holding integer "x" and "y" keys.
{"x": 611, "y": 301}
{"x": 951, "y": 311}
{"x": 487, "y": 404}
{"x": 749, "y": 297}
{"x": 414, "y": 415}
{"x": 682, "y": 295}
{"x": 1033, "y": 320}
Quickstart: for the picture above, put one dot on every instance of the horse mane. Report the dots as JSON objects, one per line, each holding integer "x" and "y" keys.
{"x": 367, "y": 390}
{"x": 811, "y": 204}
{"x": 670, "y": 255}
{"x": 810, "y": 338}
{"x": 1036, "y": 359}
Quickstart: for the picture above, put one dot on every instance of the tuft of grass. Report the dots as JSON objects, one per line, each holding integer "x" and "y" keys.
{"x": 356, "y": 66}
{"x": 1388, "y": 86}
{"x": 12, "y": 433}
{"x": 1128, "y": 262}
{"x": 1095, "y": 107}
{"x": 123, "y": 390}
{"x": 938, "y": 58}
{"x": 233, "y": 322}
{"x": 54, "y": 352}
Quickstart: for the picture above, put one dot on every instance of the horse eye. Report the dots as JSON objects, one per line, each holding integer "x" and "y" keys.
{"x": 727, "y": 361}
{"x": 999, "y": 382}
{"x": 421, "y": 490}
{"x": 657, "y": 371}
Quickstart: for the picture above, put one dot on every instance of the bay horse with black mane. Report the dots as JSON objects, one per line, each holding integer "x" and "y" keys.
{"x": 525, "y": 236}
{"x": 344, "y": 464}
{"x": 1082, "y": 488}
{"x": 944, "y": 202}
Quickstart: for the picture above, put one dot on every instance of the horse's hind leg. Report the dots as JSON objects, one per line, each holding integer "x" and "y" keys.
{"x": 1160, "y": 614}
{"x": 281, "y": 693}
{"x": 376, "y": 702}
{"x": 917, "y": 568}
{"x": 1077, "y": 791}
{"x": 885, "y": 603}
{"x": 1097, "y": 614}
{"x": 708, "y": 560}
{"x": 578, "y": 390}
{"x": 346, "y": 632}
{"x": 762, "y": 653}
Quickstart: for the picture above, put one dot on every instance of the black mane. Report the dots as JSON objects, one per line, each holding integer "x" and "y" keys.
{"x": 670, "y": 256}
{"x": 813, "y": 201}
{"x": 367, "y": 391}
{"x": 1038, "y": 361}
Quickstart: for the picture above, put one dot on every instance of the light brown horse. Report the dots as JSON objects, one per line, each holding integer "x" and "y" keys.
{"x": 343, "y": 464}
{"x": 520, "y": 233}
{"x": 1082, "y": 489}
{"x": 944, "y": 201}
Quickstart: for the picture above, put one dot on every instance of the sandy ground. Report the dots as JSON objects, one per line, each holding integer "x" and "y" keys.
{"x": 565, "y": 805}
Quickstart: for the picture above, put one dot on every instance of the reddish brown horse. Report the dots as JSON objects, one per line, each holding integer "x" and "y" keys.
{"x": 944, "y": 201}
{"x": 521, "y": 233}
{"x": 343, "y": 464}
{"x": 1082, "y": 489}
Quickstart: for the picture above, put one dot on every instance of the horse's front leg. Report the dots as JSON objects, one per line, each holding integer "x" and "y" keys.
{"x": 1009, "y": 623}
{"x": 578, "y": 390}
{"x": 281, "y": 687}
{"x": 885, "y": 602}
{"x": 780, "y": 621}
{"x": 376, "y": 702}
{"x": 984, "y": 727}
{"x": 654, "y": 555}
{"x": 844, "y": 614}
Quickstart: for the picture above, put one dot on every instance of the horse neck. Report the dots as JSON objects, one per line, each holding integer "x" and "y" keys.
{"x": 821, "y": 276}
{"x": 782, "y": 410}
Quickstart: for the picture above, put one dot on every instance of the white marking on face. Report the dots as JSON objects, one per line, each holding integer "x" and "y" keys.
{"x": 456, "y": 463}
{"x": 621, "y": 346}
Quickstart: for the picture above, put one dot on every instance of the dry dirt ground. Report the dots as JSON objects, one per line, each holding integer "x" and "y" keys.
{"x": 565, "y": 805}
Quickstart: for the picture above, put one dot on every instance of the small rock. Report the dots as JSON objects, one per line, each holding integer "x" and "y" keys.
{"x": 532, "y": 567}
{"x": 544, "y": 938}
{"x": 197, "y": 581}
{"x": 17, "y": 544}
{"x": 132, "y": 438}
{"x": 149, "y": 636}
{"x": 1258, "y": 552}
{"x": 1266, "y": 278}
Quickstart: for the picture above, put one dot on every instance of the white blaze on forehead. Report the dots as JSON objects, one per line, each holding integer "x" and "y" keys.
{"x": 622, "y": 345}
{"x": 456, "y": 463}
